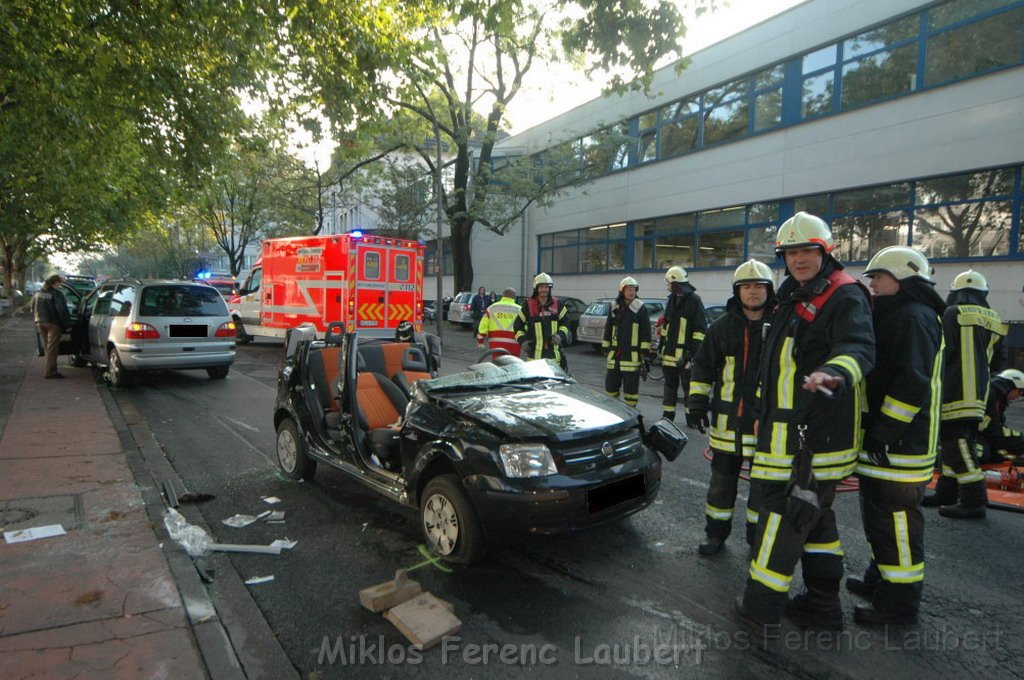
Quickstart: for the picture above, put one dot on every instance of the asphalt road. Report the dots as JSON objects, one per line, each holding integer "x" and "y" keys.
{"x": 630, "y": 599}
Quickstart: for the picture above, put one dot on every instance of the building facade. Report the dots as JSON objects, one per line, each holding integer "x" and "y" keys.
{"x": 897, "y": 121}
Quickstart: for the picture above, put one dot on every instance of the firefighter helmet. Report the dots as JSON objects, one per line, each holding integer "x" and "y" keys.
{"x": 676, "y": 275}
{"x": 970, "y": 279}
{"x": 901, "y": 263}
{"x": 752, "y": 271}
{"x": 542, "y": 278}
{"x": 628, "y": 281}
{"x": 803, "y": 230}
{"x": 404, "y": 332}
{"x": 1014, "y": 376}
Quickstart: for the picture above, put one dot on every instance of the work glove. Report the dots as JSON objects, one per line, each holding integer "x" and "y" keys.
{"x": 697, "y": 418}
{"x": 878, "y": 453}
{"x": 556, "y": 339}
{"x": 528, "y": 348}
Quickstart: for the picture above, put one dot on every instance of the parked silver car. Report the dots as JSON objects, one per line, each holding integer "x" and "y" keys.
{"x": 460, "y": 311}
{"x": 592, "y": 321}
{"x": 131, "y": 326}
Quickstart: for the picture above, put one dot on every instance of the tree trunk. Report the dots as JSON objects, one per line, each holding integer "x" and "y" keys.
{"x": 462, "y": 254}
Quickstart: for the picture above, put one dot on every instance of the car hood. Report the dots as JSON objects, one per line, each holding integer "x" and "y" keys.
{"x": 563, "y": 412}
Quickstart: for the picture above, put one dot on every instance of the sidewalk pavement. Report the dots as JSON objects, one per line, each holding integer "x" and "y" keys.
{"x": 100, "y": 601}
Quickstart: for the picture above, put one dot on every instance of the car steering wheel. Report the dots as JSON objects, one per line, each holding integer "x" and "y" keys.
{"x": 497, "y": 350}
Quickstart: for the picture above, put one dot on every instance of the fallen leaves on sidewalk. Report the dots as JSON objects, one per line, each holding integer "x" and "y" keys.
{"x": 89, "y": 597}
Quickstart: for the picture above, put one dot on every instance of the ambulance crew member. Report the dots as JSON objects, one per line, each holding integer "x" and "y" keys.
{"x": 821, "y": 337}
{"x": 973, "y": 332}
{"x": 627, "y": 335}
{"x": 541, "y": 328}
{"x": 901, "y": 434}
{"x": 722, "y": 392}
{"x": 681, "y": 330}
{"x": 497, "y": 324}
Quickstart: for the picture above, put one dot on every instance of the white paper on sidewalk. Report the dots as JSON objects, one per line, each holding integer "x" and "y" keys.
{"x": 270, "y": 500}
{"x": 22, "y": 535}
{"x": 283, "y": 543}
{"x": 258, "y": 579}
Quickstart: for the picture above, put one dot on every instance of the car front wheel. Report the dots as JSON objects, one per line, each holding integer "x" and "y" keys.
{"x": 291, "y": 452}
{"x": 118, "y": 375}
{"x": 449, "y": 522}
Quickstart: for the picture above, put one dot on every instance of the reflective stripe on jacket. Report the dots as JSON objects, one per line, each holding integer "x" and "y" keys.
{"x": 627, "y": 333}
{"x": 685, "y": 324}
{"x": 972, "y": 332}
{"x": 538, "y": 323}
{"x": 498, "y": 325}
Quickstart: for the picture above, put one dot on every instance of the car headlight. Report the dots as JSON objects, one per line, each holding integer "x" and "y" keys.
{"x": 527, "y": 460}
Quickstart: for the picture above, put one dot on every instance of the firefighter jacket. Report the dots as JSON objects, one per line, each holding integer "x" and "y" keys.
{"x": 498, "y": 326}
{"x": 627, "y": 334}
{"x": 904, "y": 391}
{"x": 682, "y": 328}
{"x": 537, "y": 323}
{"x": 724, "y": 378}
{"x": 972, "y": 332}
{"x": 823, "y": 325}
{"x": 994, "y": 422}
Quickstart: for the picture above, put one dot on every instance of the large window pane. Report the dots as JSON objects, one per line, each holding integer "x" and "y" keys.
{"x": 880, "y": 37}
{"x": 566, "y": 260}
{"x": 965, "y": 187}
{"x": 648, "y": 148}
{"x": 769, "y": 77}
{"x": 768, "y": 109}
{"x": 563, "y": 238}
{"x": 648, "y": 120}
{"x": 724, "y": 217}
{"x": 816, "y": 205}
{"x": 873, "y": 198}
{"x": 726, "y": 92}
{"x": 763, "y": 212}
{"x": 676, "y": 224}
{"x": 761, "y": 243}
{"x": 721, "y": 249}
{"x": 819, "y": 59}
{"x": 975, "y": 48}
{"x": 673, "y": 250}
{"x": 817, "y": 94}
{"x": 594, "y": 257}
{"x": 882, "y": 75}
{"x": 616, "y": 256}
{"x": 859, "y": 237}
{"x": 964, "y": 230}
{"x": 680, "y": 108}
{"x": 679, "y": 137}
{"x": 546, "y": 261}
{"x": 958, "y": 10}
{"x": 726, "y": 122}
{"x": 644, "y": 228}
{"x": 596, "y": 233}
{"x": 617, "y": 231}
{"x": 643, "y": 252}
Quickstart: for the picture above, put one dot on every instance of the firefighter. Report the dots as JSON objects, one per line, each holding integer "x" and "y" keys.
{"x": 541, "y": 328}
{"x": 998, "y": 441}
{"x": 627, "y": 336}
{"x": 973, "y": 333}
{"x": 813, "y": 362}
{"x": 728, "y": 359}
{"x": 681, "y": 330}
{"x": 496, "y": 326}
{"x": 901, "y": 434}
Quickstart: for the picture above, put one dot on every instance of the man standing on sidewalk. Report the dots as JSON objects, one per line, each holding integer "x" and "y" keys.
{"x": 50, "y": 310}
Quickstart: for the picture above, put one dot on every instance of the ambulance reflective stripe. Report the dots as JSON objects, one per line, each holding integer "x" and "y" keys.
{"x": 899, "y": 410}
{"x": 371, "y": 310}
{"x": 728, "y": 379}
{"x": 906, "y": 571}
{"x": 759, "y": 570}
{"x": 832, "y": 548}
{"x": 723, "y": 514}
{"x": 849, "y": 364}
{"x": 399, "y": 312}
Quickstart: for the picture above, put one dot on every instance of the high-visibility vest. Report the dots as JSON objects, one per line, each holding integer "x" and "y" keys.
{"x": 497, "y": 326}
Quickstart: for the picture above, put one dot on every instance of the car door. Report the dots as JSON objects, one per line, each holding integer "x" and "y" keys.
{"x": 99, "y": 324}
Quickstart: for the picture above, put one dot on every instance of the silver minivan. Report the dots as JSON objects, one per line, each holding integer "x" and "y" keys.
{"x": 132, "y": 326}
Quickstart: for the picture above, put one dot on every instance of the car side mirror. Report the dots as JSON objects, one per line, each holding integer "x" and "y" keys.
{"x": 667, "y": 439}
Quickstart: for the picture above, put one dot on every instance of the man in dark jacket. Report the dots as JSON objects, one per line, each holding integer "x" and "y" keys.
{"x": 541, "y": 329}
{"x": 813, "y": 363}
{"x": 904, "y": 393}
{"x": 723, "y": 386}
{"x": 973, "y": 334}
{"x": 681, "y": 329}
{"x": 1000, "y": 441}
{"x": 50, "y": 310}
{"x": 627, "y": 336}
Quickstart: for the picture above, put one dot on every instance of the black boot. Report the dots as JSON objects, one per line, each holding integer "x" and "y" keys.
{"x": 973, "y": 499}
{"x": 860, "y": 587}
{"x": 869, "y": 616}
{"x": 814, "y": 610}
{"x": 712, "y": 545}
{"x": 668, "y": 415}
{"x": 945, "y": 493}
{"x": 962, "y": 511}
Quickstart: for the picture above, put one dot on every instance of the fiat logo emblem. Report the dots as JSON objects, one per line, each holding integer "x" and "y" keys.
{"x": 607, "y": 449}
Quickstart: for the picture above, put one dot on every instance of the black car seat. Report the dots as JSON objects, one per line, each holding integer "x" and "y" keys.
{"x": 381, "y": 404}
{"x": 414, "y": 367}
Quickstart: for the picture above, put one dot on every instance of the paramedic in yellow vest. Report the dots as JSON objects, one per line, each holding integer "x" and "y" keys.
{"x": 497, "y": 326}
{"x": 973, "y": 334}
{"x": 681, "y": 330}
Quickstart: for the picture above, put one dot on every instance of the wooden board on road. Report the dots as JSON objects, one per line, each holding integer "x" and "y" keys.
{"x": 390, "y": 593}
{"x": 424, "y": 620}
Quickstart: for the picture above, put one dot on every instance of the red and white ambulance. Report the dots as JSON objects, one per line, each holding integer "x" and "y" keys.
{"x": 370, "y": 283}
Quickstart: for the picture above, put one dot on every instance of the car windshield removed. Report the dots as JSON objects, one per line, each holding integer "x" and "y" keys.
{"x": 172, "y": 300}
{"x": 490, "y": 375}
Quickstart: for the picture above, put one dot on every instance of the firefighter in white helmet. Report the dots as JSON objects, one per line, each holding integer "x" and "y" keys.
{"x": 680, "y": 330}
{"x": 897, "y": 458}
{"x": 813, "y": 362}
{"x": 974, "y": 334}
{"x": 627, "y": 336}
{"x": 722, "y": 394}
{"x": 541, "y": 328}
{"x": 999, "y": 441}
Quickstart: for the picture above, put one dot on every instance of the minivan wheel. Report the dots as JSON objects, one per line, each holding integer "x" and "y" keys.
{"x": 218, "y": 372}
{"x": 241, "y": 337}
{"x": 450, "y": 525}
{"x": 291, "y": 452}
{"x": 117, "y": 374}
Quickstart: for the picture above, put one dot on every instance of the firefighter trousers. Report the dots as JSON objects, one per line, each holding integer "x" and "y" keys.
{"x": 722, "y": 490}
{"x": 894, "y": 527}
{"x": 674, "y": 375}
{"x": 628, "y": 381}
{"x": 1007, "y": 445}
{"x": 961, "y": 475}
{"x": 779, "y": 545}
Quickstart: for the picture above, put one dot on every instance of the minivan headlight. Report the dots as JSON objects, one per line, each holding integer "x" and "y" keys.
{"x": 527, "y": 460}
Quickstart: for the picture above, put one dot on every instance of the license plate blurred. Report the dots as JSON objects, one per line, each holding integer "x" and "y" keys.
{"x": 610, "y": 495}
{"x": 178, "y": 330}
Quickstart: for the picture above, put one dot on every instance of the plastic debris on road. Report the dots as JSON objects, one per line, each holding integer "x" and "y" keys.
{"x": 258, "y": 579}
{"x": 271, "y": 500}
{"x": 239, "y": 521}
{"x": 193, "y": 539}
{"x": 22, "y": 535}
{"x": 284, "y": 544}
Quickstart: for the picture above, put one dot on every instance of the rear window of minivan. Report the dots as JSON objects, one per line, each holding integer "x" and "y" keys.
{"x": 181, "y": 300}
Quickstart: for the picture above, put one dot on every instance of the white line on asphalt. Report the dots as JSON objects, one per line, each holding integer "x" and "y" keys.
{"x": 245, "y": 426}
